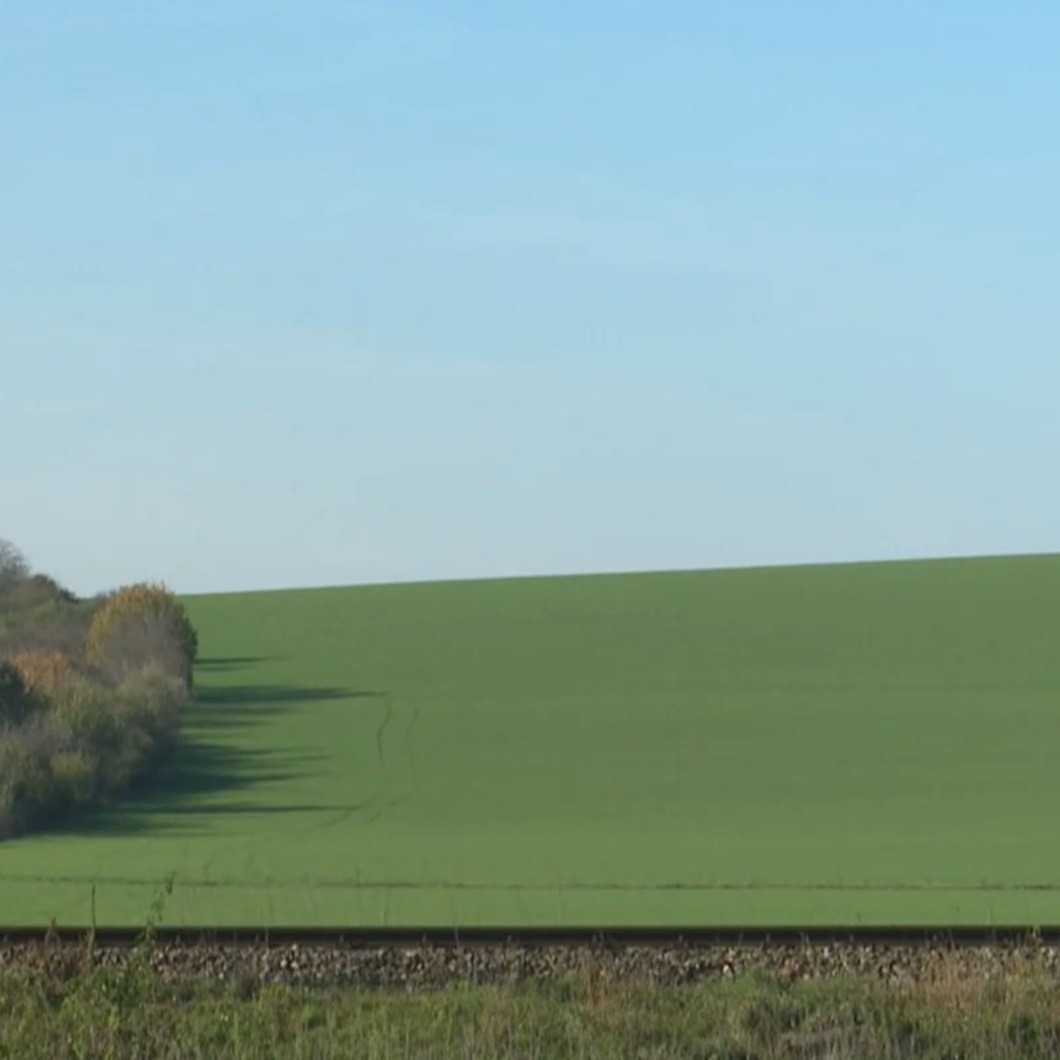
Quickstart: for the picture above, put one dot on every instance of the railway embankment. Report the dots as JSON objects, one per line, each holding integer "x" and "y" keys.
{"x": 430, "y": 965}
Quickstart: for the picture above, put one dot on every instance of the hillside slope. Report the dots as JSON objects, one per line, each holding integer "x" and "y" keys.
{"x": 860, "y": 743}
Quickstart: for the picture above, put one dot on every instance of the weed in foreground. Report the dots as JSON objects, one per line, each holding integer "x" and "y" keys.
{"x": 135, "y": 1012}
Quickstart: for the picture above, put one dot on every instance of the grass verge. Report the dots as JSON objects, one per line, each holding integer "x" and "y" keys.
{"x": 78, "y": 1010}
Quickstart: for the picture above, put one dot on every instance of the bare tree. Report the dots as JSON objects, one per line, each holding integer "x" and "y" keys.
{"x": 13, "y": 565}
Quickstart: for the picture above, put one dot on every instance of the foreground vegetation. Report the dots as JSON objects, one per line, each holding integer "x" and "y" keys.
{"x": 90, "y": 692}
{"x": 854, "y": 744}
{"x": 134, "y": 1013}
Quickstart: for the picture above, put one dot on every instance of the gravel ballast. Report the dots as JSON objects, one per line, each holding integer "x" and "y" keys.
{"x": 433, "y": 966}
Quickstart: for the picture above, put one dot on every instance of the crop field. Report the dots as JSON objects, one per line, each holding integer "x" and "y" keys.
{"x": 875, "y": 743}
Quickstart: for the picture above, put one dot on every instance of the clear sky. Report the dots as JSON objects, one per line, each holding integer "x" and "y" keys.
{"x": 315, "y": 293}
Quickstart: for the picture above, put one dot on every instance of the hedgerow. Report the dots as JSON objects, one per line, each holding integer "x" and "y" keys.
{"x": 91, "y": 692}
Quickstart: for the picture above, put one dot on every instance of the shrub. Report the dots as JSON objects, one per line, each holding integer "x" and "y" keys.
{"x": 16, "y": 702}
{"x": 48, "y": 586}
{"x": 27, "y": 792}
{"x": 38, "y": 613}
{"x": 75, "y": 776}
{"x": 44, "y": 673}
{"x": 151, "y": 699}
{"x": 84, "y": 716}
{"x": 139, "y": 625}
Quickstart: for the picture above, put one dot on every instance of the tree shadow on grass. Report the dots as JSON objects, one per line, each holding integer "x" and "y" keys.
{"x": 219, "y": 663}
{"x": 203, "y": 777}
{"x": 238, "y": 706}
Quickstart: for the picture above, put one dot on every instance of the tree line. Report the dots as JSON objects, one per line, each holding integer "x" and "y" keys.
{"x": 91, "y": 691}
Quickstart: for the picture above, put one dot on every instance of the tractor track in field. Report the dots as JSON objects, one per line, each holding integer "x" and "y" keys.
{"x": 388, "y": 714}
{"x": 427, "y": 958}
{"x": 410, "y": 749}
{"x": 376, "y": 804}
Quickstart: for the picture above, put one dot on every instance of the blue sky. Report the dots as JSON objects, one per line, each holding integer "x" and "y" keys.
{"x": 298, "y": 294}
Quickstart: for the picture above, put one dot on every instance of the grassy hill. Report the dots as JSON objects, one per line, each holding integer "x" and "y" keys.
{"x": 858, "y": 743}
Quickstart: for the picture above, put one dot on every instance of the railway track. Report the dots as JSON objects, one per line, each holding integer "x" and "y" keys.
{"x": 600, "y": 938}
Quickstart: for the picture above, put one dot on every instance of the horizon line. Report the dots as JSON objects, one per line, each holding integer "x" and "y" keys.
{"x": 634, "y": 572}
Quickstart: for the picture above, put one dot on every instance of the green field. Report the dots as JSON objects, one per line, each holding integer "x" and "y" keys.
{"x": 852, "y": 744}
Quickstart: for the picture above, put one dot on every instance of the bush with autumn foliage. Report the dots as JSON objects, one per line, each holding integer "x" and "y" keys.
{"x": 91, "y": 691}
{"x": 138, "y": 625}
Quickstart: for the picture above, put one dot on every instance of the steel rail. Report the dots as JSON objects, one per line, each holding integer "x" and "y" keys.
{"x": 532, "y": 937}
